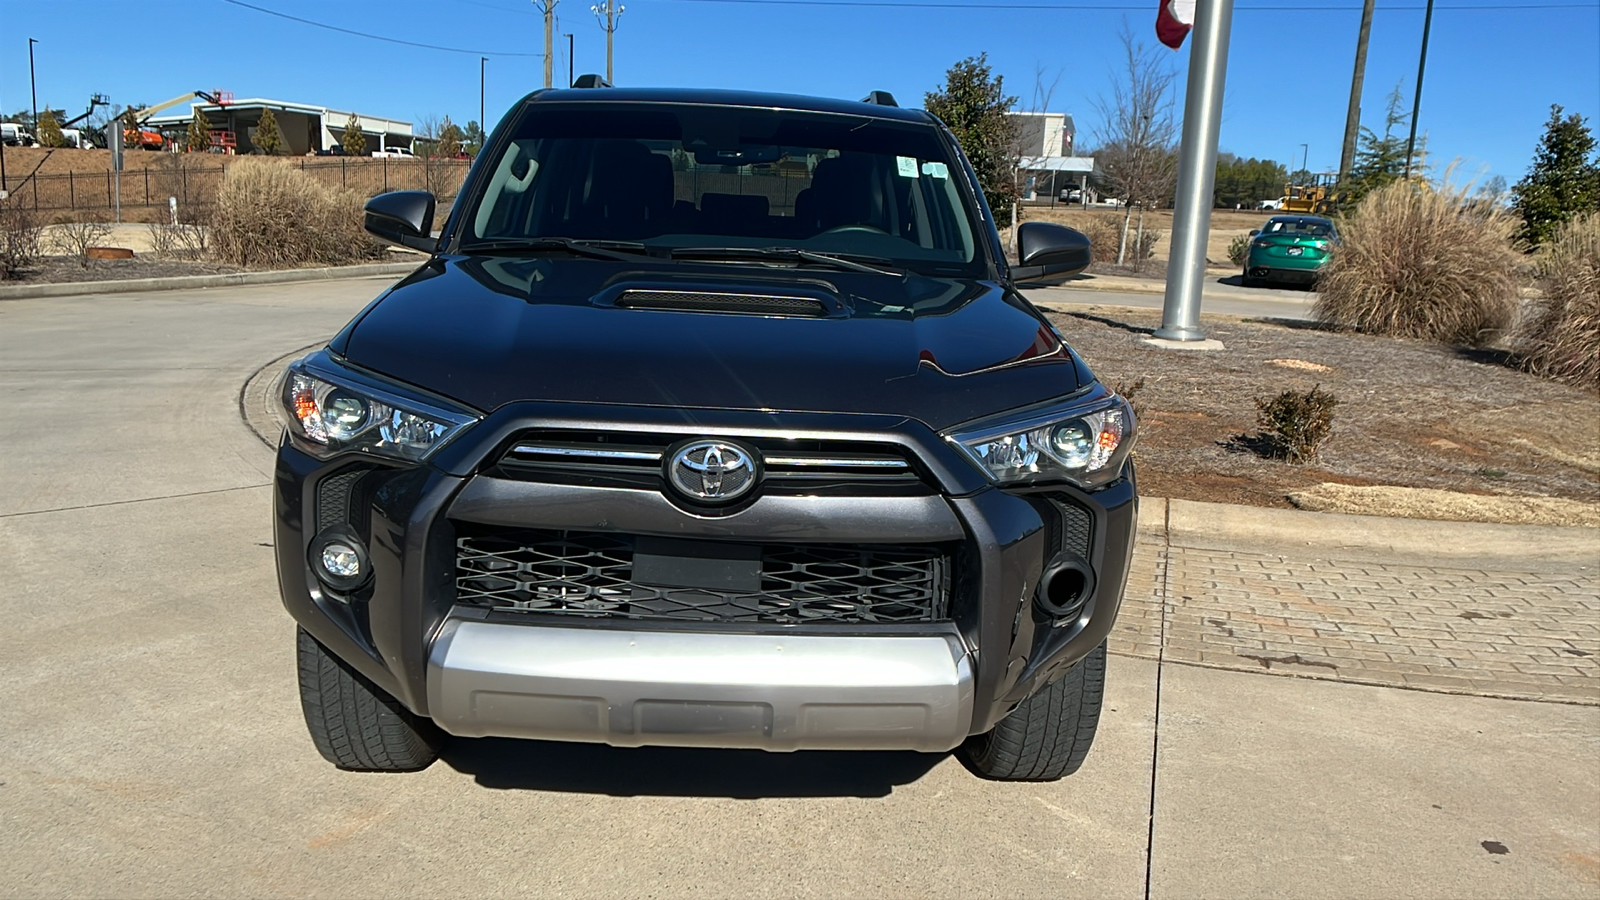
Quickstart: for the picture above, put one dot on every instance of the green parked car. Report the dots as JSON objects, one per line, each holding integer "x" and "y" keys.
{"x": 1291, "y": 249}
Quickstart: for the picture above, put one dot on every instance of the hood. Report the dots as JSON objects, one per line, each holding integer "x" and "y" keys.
{"x": 488, "y": 331}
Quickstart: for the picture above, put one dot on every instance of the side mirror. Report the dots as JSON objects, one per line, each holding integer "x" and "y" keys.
{"x": 1050, "y": 254}
{"x": 404, "y": 218}
{"x": 1254, "y": 232}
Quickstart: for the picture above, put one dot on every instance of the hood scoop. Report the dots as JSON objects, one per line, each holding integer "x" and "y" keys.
{"x": 729, "y": 303}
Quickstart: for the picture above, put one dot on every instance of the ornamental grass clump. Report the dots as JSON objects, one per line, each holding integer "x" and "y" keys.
{"x": 270, "y": 215}
{"x": 1559, "y": 334}
{"x": 1417, "y": 261}
{"x": 1295, "y": 424}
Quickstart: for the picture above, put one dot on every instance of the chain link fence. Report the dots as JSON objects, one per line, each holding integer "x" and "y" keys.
{"x": 148, "y": 194}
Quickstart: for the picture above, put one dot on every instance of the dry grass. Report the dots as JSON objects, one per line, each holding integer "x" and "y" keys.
{"x": 1559, "y": 336}
{"x": 1419, "y": 262}
{"x": 270, "y": 215}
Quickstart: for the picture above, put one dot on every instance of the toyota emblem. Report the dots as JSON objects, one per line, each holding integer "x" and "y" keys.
{"x": 712, "y": 470}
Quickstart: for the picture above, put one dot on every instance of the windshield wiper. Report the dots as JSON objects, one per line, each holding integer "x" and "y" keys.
{"x": 624, "y": 251}
{"x": 847, "y": 263}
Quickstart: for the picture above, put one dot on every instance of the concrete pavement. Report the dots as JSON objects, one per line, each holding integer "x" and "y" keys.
{"x": 1219, "y": 296}
{"x": 151, "y": 742}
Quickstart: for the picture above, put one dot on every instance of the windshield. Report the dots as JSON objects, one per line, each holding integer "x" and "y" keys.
{"x": 1307, "y": 227}
{"x": 707, "y": 177}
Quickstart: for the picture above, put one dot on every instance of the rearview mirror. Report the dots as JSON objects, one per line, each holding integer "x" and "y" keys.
{"x": 1254, "y": 232}
{"x": 404, "y": 218}
{"x": 1049, "y": 253}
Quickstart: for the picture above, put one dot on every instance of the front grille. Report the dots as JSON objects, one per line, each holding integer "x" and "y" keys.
{"x": 736, "y": 304}
{"x": 616, "y": 459}
{"x": 588, "y": 574}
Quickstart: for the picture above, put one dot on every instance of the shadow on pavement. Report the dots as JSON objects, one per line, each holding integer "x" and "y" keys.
{"x": 1104, "y": 320}
{"x": 1298, "y": 324}
{"x": 681, "y": 772}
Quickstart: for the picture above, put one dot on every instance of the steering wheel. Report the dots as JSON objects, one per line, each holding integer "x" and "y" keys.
{"x": 841, "y": 229}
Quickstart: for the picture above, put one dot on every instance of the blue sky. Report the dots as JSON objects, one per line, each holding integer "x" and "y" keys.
{"x": 1492, "y": 72}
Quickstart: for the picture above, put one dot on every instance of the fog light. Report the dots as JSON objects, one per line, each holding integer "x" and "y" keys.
{"x": 339, "y": 559}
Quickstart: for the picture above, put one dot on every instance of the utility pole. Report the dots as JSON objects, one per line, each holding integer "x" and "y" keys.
{"x": 570, "y": 77}
{"x": 1305, "y": 158}
{"x": 1352, "y": 117}
{"x": 481, "y": 61}
{"x": 1416, "y": 103}
{"x": 610, "y": 13}
{"x": 1197, "y": 171}
{"x": 548, "y": 7}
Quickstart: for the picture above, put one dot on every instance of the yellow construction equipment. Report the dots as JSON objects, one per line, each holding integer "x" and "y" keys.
{"x": 1316, "y": 197}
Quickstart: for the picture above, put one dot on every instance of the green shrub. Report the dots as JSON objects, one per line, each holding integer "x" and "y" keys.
{"x": 1559, "y": 335}
{"x": 1296, "y": 423}
{"x": 1421, "y": 262}
{"x": 1238, "y": 248}
{"x": 270, "y": 215}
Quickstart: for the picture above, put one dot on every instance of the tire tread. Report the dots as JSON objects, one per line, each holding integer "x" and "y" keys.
{"x": 356, "y": 725}
{"x": 1049, "y": 735}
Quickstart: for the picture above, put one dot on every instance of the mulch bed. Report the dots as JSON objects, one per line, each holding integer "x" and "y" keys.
{"x": 62, "y": 269}
{"x": 1410, "y": 413}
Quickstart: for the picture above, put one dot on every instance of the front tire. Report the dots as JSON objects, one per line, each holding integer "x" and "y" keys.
{"x": 355, "y": 724}
{"x": 1049, "y": 735}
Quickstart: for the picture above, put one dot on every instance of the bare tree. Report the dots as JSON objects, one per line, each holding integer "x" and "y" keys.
{"x": 1028, "y": 140}
{"x": 1138, "y": 154}
{"x": 69, "y": 238}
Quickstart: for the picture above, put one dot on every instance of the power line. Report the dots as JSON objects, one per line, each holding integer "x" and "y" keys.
{"x": 375, "y": 37}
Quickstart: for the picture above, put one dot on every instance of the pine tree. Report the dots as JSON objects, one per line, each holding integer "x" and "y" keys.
{"x": 1563, "y": 180}
{"x": 268, "y": 138}
{"x": 49, "y": 133}
{"x": 354, "y": 142}
{"x": 198, "y": 139}
{"x": 1380, "y": 160}
{"x": 472, "y": 139}
{"x": 974, "y": 104}
{"x": 449, "y": 139}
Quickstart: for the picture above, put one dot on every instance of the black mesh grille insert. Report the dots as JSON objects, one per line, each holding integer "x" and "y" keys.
{"x": 333, "y": 497}
{"x": 591, "y": 574}
{"x": 1077, "y": 529}
{"x": 741, "y": 304}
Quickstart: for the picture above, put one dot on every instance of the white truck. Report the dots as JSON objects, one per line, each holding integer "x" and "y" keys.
{"x": 15, "y": 135}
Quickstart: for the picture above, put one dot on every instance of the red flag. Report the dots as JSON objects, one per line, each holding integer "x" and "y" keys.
{"x": 1174, "y": 21}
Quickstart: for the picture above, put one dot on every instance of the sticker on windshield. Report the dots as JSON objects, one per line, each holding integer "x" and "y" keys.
{"x": 935, "y": 170}
{"x": 908, "y": 166}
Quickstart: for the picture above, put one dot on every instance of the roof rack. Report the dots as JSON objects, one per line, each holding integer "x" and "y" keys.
{"x": 880, "y": 98}
{"x": 590, "y": 81}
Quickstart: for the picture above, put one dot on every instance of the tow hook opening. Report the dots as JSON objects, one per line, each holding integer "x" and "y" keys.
{"x": 1066, "y": 586}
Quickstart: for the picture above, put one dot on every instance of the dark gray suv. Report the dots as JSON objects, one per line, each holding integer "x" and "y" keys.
{"x": 713, "y": 419}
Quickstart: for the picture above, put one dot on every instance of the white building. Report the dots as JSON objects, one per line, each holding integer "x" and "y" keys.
{"x": 1044, "y": 143}
{"x": 306, "y": 127}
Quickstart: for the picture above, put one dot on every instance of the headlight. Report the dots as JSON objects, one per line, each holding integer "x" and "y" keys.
{"x": 1086, "y": 445}
{"x": 344, "y": 412}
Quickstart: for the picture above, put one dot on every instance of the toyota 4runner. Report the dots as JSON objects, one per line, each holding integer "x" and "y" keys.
{"x": 713, "y": 419}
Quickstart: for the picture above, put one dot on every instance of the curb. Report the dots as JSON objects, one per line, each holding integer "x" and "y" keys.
{"x": 186, "y": 282}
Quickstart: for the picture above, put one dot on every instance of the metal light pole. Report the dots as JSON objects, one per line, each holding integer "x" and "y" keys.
{"x": 1416, "y": 103}
{"x": 1197, "y": 171}
{"x": 570, "y": 77}
{"x": 32, "y": 89}
{"x": 1352, "y": 117}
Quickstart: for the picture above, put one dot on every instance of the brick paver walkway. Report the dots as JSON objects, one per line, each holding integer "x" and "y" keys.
{"x": 1532, "y": 635}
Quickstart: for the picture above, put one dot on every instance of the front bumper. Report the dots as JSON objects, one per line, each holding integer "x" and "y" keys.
{"x": 767, "y": 691}
{"x": 477, "y": 672}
